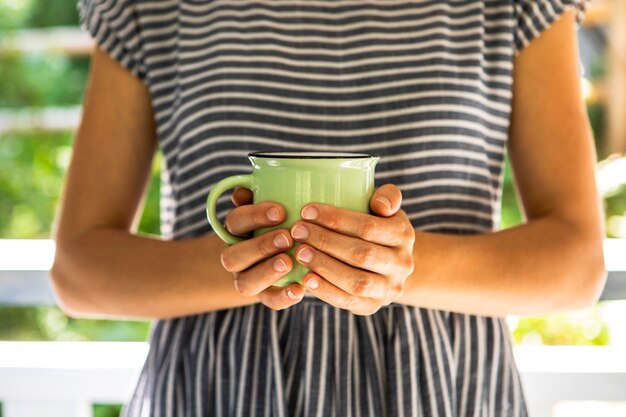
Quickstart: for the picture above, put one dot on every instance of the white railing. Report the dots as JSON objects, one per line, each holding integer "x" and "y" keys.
{"x": 50, "y": 379}
{"x": 24, "y": 266}
{"x": 67, "y": 40}
{"x": 64, "y": 379}
{"x": 50, "y": 119}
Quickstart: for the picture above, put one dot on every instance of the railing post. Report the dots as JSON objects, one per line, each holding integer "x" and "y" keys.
{"x": 34, "y": 408}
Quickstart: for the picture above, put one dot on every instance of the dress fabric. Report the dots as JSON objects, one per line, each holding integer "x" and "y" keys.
{"x": 425, "y": 84}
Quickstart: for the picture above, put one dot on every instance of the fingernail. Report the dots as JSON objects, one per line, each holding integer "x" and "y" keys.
{"x": 300, "y": 232}
{"x": 291, "y": 295}
{"x": 281, "y": 241}
{"x": 273, "y": 214}
{"x": 313, "y": 283}
{"x": 280, "y": 265}
{"x": 305, "y": 255}
{"x": 309, "y": 213}
{"x": 384, "y": 200}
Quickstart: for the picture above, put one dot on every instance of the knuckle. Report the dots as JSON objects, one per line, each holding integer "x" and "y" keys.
{"x": 399, "y": 291}
{"x": 369, "y": 229}
{"x": 265, "y": 246}
{"x": 410, "y": 269}
{"x": 394, "y": 292}
{"x": 408, "y": 265}
{"x": 259, "y": 217}
{"x": 322, "y": 242}
{"x": 409, "y": 232}
{"x": 362, "y": 286}
{"x": 364, "y": 255}
{"x": 404, "y": 225}
{"x": 332, "y": 219}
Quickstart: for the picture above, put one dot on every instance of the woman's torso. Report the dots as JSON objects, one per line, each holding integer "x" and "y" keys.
{"x": 425, "y": 84}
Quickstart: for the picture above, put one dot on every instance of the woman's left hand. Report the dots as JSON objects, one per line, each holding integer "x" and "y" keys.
{"x": 358, "y": 262}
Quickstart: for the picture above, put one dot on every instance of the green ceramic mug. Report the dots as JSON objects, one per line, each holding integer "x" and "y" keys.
{"x": 294, "y": 179}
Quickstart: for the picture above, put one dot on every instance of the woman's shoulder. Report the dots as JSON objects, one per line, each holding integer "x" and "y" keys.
{"x": 116, "y": 27}
{"x": 533, "y": 17}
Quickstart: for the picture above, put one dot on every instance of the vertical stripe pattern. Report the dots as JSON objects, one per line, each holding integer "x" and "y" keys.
{"x": 425, "y": 84}
{"x": 323, "y": 356}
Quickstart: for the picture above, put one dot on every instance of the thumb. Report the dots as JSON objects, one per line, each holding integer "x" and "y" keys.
{"x": 386, "y": 200}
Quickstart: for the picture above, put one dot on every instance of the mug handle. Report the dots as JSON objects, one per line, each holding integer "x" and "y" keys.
{"x": 211, "y": 204}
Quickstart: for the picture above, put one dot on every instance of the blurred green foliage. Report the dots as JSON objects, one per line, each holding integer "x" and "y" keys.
{"x": 597, "y": 119}
{"x": 28, "y": 200}
{"x": 49, "y": 323}
{"x": 18, "y": 14}
{"x": 34, "y": 166}
{"x": 106, "y": 410}
{"x": 581, "y": 328}
{"x": 41, "y": 80}
{"x": 510, "y": 215}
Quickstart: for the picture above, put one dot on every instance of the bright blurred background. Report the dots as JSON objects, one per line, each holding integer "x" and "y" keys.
{"x": 43, "y": 70}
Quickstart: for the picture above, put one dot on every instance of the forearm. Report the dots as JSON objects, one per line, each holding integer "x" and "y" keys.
{"x": 112, "y": 273}
{"x": 542, "y": 266}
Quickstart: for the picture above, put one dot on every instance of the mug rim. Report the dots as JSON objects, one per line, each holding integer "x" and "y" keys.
{"x": 310, "y": 155}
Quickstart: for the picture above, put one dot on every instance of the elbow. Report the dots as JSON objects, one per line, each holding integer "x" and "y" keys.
{"x": 67, "y": 291}
{"x": 587, "y": 278}
{"x": 594, "y": 281}
{"x": 63, "y": 292}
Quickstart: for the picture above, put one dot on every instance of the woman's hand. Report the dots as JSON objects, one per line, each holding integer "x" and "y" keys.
{"x": 359, "y": 262}
{"x": 259, "y": 262}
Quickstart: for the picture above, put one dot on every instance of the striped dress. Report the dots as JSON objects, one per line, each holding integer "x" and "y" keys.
{"x": 426, "y": 84}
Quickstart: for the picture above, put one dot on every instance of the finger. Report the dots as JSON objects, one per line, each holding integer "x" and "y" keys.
{"x": 386, "y": 200}
{"x": 242, "y": 220}
{"x": 352, "y": 280}
{"x": 262, "y": 275}
{"x": 241, "y": 196}
{"x": 244, "y": 254}
{"x": 392, "y": 231}
{"x": 337, "y": 297}
{"x": 280, "y": 298}
{"x": 350, "y": 250}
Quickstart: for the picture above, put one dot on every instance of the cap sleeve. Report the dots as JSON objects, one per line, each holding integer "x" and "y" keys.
{"x": 114, "y": 26}
{"x": 532, "y": 17}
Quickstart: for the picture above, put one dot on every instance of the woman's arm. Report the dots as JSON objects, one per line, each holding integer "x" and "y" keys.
{"x": 553, "y": 262}
{"x": 101, "y": 268}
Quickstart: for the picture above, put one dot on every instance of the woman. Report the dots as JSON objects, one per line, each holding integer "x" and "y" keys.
{"x": 401, "y": 314}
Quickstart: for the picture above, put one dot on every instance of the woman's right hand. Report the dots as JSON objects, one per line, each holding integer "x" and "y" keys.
{"x": 257, "y": 263}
